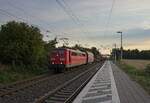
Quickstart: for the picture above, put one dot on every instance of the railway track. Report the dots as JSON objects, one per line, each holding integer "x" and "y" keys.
{"x": 66, "y": 92}
{"x": 16, "y": 86}
{"x": 27, "y": 91}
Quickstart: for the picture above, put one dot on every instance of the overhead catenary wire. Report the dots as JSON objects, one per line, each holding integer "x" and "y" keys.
{"x": 66, "y": 11}
{"x": 107, "y": 25}
{"x": 71, "y": 12}
{"x": 51, "y": 29}
{"x": 30, "y": 15}
{"x": 66, "y": 8}
{"x": 109, "y": 15}
{"x": 6, "y": 13}
{"x": 75, "y": 16}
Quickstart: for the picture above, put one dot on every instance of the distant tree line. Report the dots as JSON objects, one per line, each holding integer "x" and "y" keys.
{"x": 132, "y": 54}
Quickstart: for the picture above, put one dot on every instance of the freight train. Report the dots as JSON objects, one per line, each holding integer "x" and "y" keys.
{"x": 62, "y": 59}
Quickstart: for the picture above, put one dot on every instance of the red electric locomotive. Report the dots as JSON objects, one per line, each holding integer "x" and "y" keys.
{"x": 90, "y": 57}
{"x": 63, "y": 58}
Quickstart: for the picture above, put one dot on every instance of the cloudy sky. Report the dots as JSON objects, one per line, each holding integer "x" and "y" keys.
{"x": 87, "y": 22}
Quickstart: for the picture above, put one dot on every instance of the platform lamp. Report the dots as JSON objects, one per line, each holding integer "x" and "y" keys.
{"x": 121, "y": 48}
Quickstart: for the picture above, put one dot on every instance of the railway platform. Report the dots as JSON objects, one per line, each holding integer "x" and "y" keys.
{"x": 112, "y": 85}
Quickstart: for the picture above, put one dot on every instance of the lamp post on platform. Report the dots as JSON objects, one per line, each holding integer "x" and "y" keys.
{"x": 121, "y": 48}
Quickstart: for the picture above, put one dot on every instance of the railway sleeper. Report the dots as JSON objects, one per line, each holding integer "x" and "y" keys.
{"x": 61, "y": 96}
{"x": 3, "y": 90}
{"x": 57, "y": 99}
{"x": 66, "y": 88}
{"x": 62, "y": 93}
{"x": 51, "y": 101}
{"x": 7, "y": 88}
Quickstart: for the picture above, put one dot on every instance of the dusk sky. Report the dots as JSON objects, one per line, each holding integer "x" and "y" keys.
{"x": 94, "y": 24}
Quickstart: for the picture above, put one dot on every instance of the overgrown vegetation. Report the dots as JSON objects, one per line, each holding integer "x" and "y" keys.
{"x": 20, "y": 44}
{"x": 147, "y": 70}
{"x": 139, "y": 75}
{"x": 14, "y": 73}
{"x": 23, "y": 51}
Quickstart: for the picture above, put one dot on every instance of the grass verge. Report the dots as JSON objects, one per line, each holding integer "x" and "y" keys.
{"x": 11, "y": 73}
{"x": 138, "y": 75}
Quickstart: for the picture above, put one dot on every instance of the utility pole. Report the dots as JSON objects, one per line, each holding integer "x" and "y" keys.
{"x": 115, "y": 53}
{"x": 121, "y": 48}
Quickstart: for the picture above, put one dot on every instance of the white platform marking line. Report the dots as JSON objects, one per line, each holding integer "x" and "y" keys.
{"x": 104, "y": 86}
{"x": 99, "y": 90}
{"x": 115, "y": 96}
{"x": 88, "y": 86}
{"x": 99, "y": 96}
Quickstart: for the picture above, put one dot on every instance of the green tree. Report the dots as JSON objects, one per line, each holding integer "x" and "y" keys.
{"x": 51, "y": 45}
{"x": 95, "y": 51}
{"x": 20, "y": 43}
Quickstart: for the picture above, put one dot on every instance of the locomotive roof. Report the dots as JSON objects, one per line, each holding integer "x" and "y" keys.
{"x": 69, "y": 49}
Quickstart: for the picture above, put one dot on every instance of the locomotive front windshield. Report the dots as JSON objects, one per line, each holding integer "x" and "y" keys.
{"x": 61, "y": 53}
{"x": 58, "y": 53}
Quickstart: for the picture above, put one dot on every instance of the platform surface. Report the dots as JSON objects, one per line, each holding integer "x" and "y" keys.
{"x": 101, "y": 88}
{"x": 112, "y": 85}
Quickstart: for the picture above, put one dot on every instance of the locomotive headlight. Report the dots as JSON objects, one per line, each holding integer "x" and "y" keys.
{"x": 61, "y": 62}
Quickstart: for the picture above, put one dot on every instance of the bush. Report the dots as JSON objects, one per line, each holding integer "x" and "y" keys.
{"x": 20, "y": 44}
{"x": 140, "y": 76}
{"x": 13, "y": 73}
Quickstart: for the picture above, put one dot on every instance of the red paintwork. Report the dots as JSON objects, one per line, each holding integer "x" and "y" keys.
{"x": 58, "y": 56}
{"x": 90, "y": 57}
{"x": 78, "y": 59}
{"x": 70, "y": 58}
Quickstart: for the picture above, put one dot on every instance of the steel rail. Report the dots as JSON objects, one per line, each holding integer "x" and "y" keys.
{"x": 72, "y": 96}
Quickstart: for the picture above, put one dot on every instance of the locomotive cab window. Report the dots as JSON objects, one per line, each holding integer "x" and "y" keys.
{"x": 61, "y": 53}
{"x": 83, "y": 55}
{"x": 74, "y": 54}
